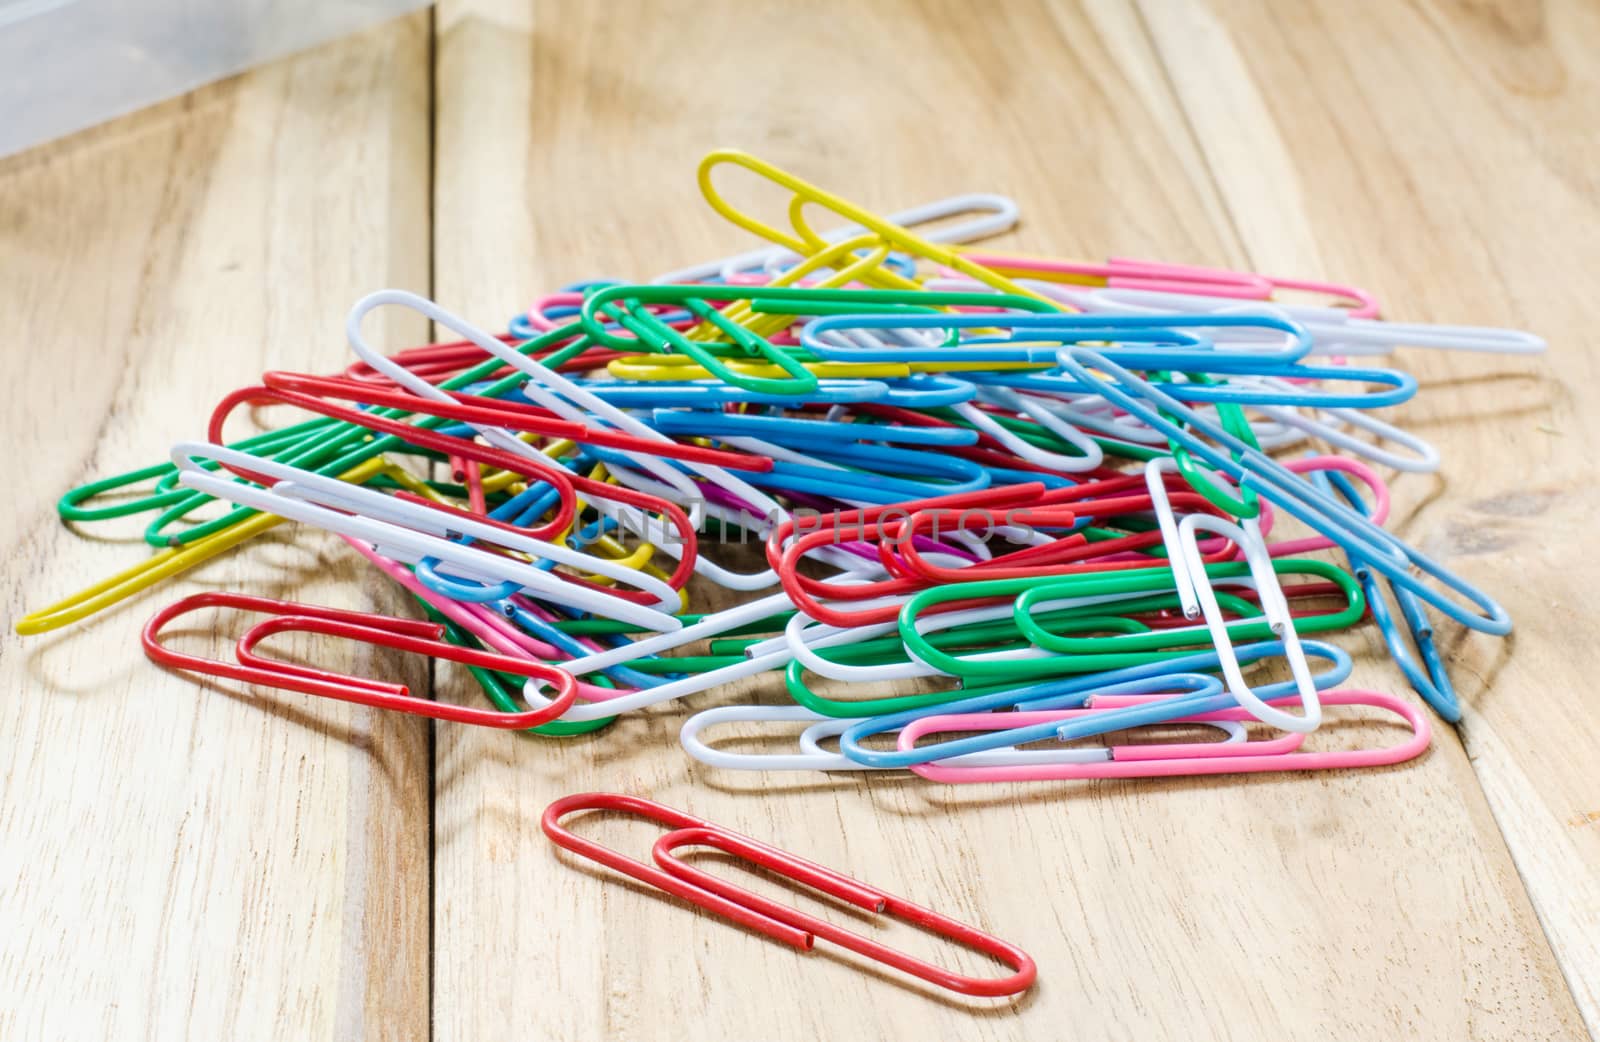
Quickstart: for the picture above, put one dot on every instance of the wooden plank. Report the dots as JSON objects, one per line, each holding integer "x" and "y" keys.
{"x": 1439, "y": 154}
{"x": 1355, "y": 905}
{"x": 184, "y": 860}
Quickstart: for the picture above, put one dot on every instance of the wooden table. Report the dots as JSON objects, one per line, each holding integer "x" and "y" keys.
{"x": 209, "y": 861}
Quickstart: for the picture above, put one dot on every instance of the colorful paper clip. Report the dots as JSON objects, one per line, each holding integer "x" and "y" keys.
{"x": 770, "y": 918}
{"x": 993, "y": 472}
{"x": 1053, "y": 494}
{"x": 380, "y": 630}
{"x": 1140, "y": 762}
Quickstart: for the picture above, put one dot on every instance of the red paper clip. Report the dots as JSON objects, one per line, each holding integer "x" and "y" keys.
{"x": 891, "y": 525}
{"x": 1063, "y": 556}
{"x": 770, "y": 918}
{"x": 472, "y": 408}
{"x": 384, "y": 630}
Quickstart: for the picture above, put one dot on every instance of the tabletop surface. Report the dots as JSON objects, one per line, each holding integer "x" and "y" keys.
{"x": 207, "y": 860}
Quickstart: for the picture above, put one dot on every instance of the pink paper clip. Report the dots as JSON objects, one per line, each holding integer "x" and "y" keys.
{"x": 1126, "y": 273}
{"x": 1142, "y": 762}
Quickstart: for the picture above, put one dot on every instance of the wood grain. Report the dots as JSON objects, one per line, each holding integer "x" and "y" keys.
{"x": 1355, "y": 905}
{"x": 179, "y": 860}
{"x": 183, "y": 860}
{"x": 1442, "y": 155}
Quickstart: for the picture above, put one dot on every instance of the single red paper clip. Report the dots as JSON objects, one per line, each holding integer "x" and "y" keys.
{"x": 385, "y": 630}
{"x": 778, "y": 921}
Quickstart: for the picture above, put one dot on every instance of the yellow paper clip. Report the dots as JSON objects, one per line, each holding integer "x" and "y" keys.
{"x": 176, "y": 560}
{"x": 806, "y": 242}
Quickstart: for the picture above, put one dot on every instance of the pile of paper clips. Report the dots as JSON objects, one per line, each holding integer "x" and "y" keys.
{"x": 1046, "y": 488}
{"x": 1050, "y": 493}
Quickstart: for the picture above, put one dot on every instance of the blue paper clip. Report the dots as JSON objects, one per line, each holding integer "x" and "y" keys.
{"x": 1179, "y": 351}
{"x": 927, "y": 391}
{"x": 874, "y": 486}
{"x": 711, "y": 393}
{"x": 804, "y": 433}
{"x": 1174, "y": 349}
{"x": 1206, "y": 694}
{"x": 1384, "y": 552}
{"x": 1401, "y": 387}
{"x": 1433, "y": 685}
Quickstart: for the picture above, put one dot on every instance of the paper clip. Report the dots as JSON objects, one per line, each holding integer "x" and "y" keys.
{"x": 1431, "y": 679}
{"x": 998, "y": 214}
{"x": 708, "y": 626}
{"x": 412, "y": 531}
{"x": 806, "y": 241}
{"x": 1199, "y": 599}
{"x": 813, "y": 757}
{"x": 678, "y": 357}
{"x": 383, "y": 630}
{"x": 1336, "y": 330}
{"x": 1184, "y": 693}
{"x": 163, "y": 565}
{"x": 1386, "y": 553}
{"x": 777, "y": 921}
{"x": 1182, "y": 287}
{"x": 1126, "y": 273}
{"x": 1132, "y": 766}
{"x": 1275, "y": 608}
